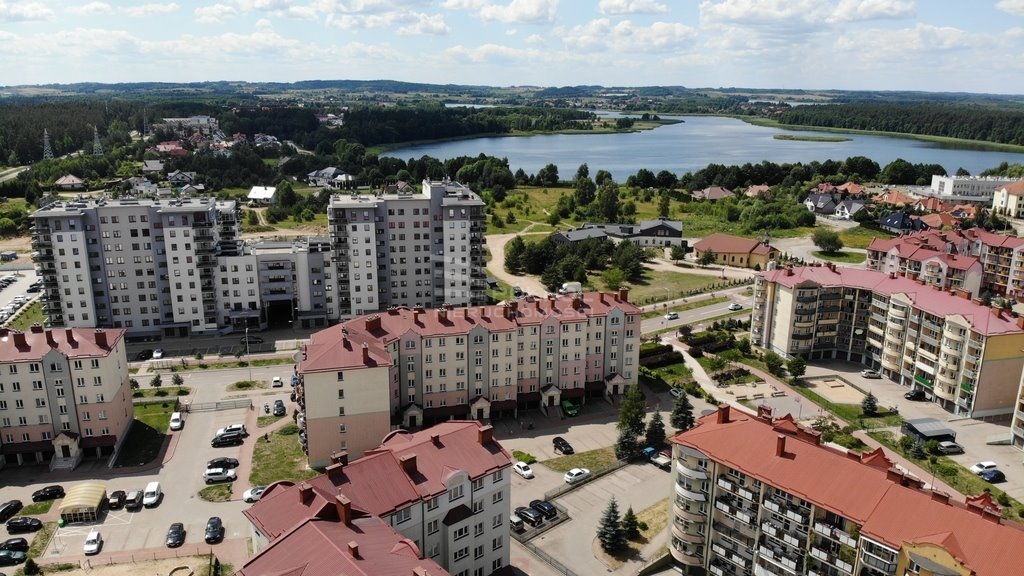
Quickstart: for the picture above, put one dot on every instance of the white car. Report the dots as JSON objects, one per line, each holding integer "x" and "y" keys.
{"x": 672, "y": 316}
{"x": 158, "y": 353}
{"x": 983, "y": 467}
{"x": 253, "y": 494}
{"x": 735, "y": 306}
{"x": 93, "y": 543}
{"x": 278, "y": 382}
{"x": 232, "y": 428}
{"x": 523, "y": 469}
{"x": 870, "y": 374}
{"x": 576, "y": 475}
{"x": 177, "y": 422}
{"x": 675, "y": 392}
{"x": 219, "y": 475}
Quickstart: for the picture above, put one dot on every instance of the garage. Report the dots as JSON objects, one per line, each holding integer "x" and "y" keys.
{"x": 83, "y": 502}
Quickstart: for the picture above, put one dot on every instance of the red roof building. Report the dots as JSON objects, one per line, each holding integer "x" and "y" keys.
{"x": 939, "y": 258}
{"x": 408, "y": 504}
{"x": 736, "y": 251}
{"x": 766, "y": 495}
{"x": 712, "y": 193}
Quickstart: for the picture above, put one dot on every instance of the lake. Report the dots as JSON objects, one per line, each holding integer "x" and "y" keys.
{"x": 697, "y": 142}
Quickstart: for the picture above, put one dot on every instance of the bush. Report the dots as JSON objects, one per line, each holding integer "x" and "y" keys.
{"x": 1003, "y": 499}
{"x": 31, "y": 567}
{"x": 137, "y": 394}
{"x": 184, "y": 391}
{"x": 524, "y": 457}
{"x": 161, "y": 392}
{"x": 288, "y": 430}
{"x": 906, "y": 442}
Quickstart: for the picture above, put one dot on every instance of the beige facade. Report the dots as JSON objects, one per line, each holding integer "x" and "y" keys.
{"x": 345, "y": 410}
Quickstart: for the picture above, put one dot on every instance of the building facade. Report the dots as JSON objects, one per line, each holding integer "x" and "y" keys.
{"x": 737, "y": 251}
{"x": 1006, "y": 200}
{"x": 446, "y": 489}
{"x": 932, "y": 256}
{"x": 761, "y": 495}
{"x": 961, "y": 188}
{"x": 64, "y": 394}
{"x": 414, "y": 367}
{"x": 966, "y": 356}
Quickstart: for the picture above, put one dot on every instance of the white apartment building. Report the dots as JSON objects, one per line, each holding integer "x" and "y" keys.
{"x": 1006, "y": 200}
{"x": 967, "y": 357}
{"x": 415, "y": 367}
{"x": 447, "y": 489}
{"x": 64, "y": 394}
{"x": 976, "y": 188}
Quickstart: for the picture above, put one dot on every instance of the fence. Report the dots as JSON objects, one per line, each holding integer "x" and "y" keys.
{"x": 594, "y": 475}
{"x": 211, "y": 406}
{"x": 550, "y": 560}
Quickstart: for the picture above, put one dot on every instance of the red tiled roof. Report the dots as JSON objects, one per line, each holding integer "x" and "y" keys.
{"x": 729, "y": 244}
{"x": 342, "y": 346}
{"x": 713, "y": 193}
{"x": 938, "y": 220}
{"x": 851, "y": 188}
{"x": 856, "y": 488}
{"x": 927, "y": 298}
{"x": 933, "y": 204}
{"x": 1015, "y": 188}
{"x": 895, "y": 198}
{"x": 993, "y": 240}
{"x": 74, "y": 342}
{"x": 757, "y": 190}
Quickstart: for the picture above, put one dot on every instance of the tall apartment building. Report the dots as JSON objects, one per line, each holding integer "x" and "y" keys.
{"x": 968, "y": 188}
{"x": 757, "y": 495}
{"x": 64, "y": 394}
{"x": 439, "y": 495}
{"x": 967, "y": 357}
{"x": 402, "y": 248}
{"x": 1006, "y": 200}
{"x": 414, "y": 367}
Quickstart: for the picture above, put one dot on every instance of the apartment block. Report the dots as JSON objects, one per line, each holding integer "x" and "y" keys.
{"x": 968, "y": 188}
{"x": 967, "y": 357}
{"x": 413, "y": 366}
{"x": 936, "y": 257}
{"x": 407, "y": 248}
{"x": 761, "y": 495}
{"x": 64, "y": 394}
{"x": 1007, "y": 200}
{"x": 444, "y": 493}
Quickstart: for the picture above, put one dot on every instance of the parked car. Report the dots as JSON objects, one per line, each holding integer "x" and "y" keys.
{"x": 576, "y": 475}
{"x": 133, "y": 501}
{"x": 48, "y": 493}
{"x": 222, "y": 463}
{"x": 219, "y": 475}
{"x": 144, "y": 355}
{"x": 735, "y": 306}
{"x": 993, "y": 476}
{"x": 675, "y": 392}
{"x": 279, "y": 408}
{"x": 870, "y": 374}
{"x": 984, "y": 467}
{"x": 12, "y": 557}
{"x": 176, "y": 535}
{"x": 515, "y": 522}
{"x": 253, "y": 494}
{"x": 177, "y": 422}
{"x": 152, "y": 495}
{"x": 561, "y": 445}
{"x": 277, "y": 382}
{"x": 16, "y": 544}
{"x": 672, "y": 316}
{"x": 529, "y": 515}
{"x": 9, "y": 509}
{"x": 523, "y": 469}
{"x": 227, "y": 439}
{"x": 158, "y": 354}
{"x": 93, "y": 543}
{"x": 547, "y": 509}
{"x": 240, "y": 428}
{"x": 950, "y": 448}
{"x": 22, "y": 524}
{"x": 570, "y": 409}
{"x": 115, "y": 500}
{"x": 915, "y": 395}
{"x": 251, "y": 340}
{"x": 214, "y": 530}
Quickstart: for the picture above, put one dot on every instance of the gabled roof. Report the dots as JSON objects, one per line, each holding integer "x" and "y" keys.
{"x": 902, "y": 221}
{"x": 757, "y": 190}
{"x": 582, "y": 234}
{"x": 262, "y": 193}
{"x": 69, "y": 180}
{"x": 895, "y": 198}
{"x": 851, "y": 206}
{"x": 1014, "y": 189}
{"x": 36, "y": 342}
{"x": 647, "y": 224}
{"x": 713, "y": 193}
{"x": 729, "y": 244}
{"x": 851, "y": 188}
{"x": 940, "y": 220}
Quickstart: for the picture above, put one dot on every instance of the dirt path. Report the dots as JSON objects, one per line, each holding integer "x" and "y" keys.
{"x": 496, "y": 266}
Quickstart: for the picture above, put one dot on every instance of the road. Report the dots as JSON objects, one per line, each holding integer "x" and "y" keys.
{"x": 696, "y": 315}
{"x": 496, "y": 266}
{"x": 12, "y": 173}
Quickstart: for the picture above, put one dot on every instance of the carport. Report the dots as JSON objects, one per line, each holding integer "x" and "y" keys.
{"x": 929, "y": 429}
{"x": 83, "y": 502}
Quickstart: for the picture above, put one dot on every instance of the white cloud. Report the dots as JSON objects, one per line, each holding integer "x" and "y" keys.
{"x": 601, "y": 34}
{"x": 511, "y": 32}
{"x": 17, "y": 10}
{"x": 263, "y": 5}
{"x": 1015, "y": 7}
{"x": 618, "y": 7}
{"x": 765, "y": 13}
{"x": 521, "y": 12}
{"x": 491, "y": 53}
{"x": 857, "y": 10}
{"x": 92, "y": 8}
{"x": 426, "y": 24}
{"x": 463, "y": 4}
{"x": 215, "y": 13}
{"x": 264, "y": 25}
{"x": 536, "y": 40}
{"x": 147, "y": 9}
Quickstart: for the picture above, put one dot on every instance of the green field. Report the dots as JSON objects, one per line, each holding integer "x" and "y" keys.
{"x": 279, "y": 457}
{"x": 27, "y": 316}
{"x": 860, "y": 236}
{"x": 841, "y": 256}
{"x": 592, "y": 460}
{"x": 147, "y": 434}
{"x": 658, "y": 286}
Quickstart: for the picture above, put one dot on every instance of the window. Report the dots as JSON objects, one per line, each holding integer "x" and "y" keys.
{"x": 496, "y": 477}
{"x": 478, "y": 506}
{"x": 455, "y": 493}
{"x": 432, "y": 527}
{"x": 461, "y": 533}
{"x": 497, "y": 543}
{"x": 403, "y": 515}
{"x": 496, "y": 497}
{"x": 478, "y": 484}
{"x": 497, "y": 521}
{"x": 432, "y": 503}
{"x": 478, "y": 552}
{"x": 342, "y": 428}
{"x": 341, "y": 376}
{"x": 461, "y": 553}
{"x": 341, "y": 410}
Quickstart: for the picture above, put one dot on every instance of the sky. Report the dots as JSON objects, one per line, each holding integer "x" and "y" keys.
{"x": 930, "y": 45}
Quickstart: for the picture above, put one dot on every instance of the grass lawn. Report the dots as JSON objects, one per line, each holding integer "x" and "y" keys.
{"x": 655, "y": 517}
{"x": 280, "y": 458}
{"x": 248, "y": 385}
{"x": 319, "y": 220}
{"x": 170, "y": 391}
{"x": 592, "y": 460}
{"x": 146, "y": 436}
{"x": 264, "y": 421}
{"x": 658, "y": 286}
{"x": 216, "y": 493}
{"x": 688, "y": 306}
{"x": 860, "y": 236}
{"x": 675, "y": 374}
{"x": 27, "y": 316}
{"x": 37, "y": 508}
{"x": 852, "y": 413}
{"x": 842, "y": 257}
{"x": 200, "y": 365}
{"x": 42, "y": 539}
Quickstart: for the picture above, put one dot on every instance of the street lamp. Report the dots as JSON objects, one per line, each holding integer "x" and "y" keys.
{"x": 248, "y": 359}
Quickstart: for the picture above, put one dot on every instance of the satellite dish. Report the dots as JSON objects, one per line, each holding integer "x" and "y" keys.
{"x": 858, "y": 331}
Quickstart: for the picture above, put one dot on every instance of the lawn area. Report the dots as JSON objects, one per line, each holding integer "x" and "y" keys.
{"x": 319, "y": 220}
{"x": 675, "y": 374}
{"x": 147, "y": 434}
{"x": 200, "y": 365}
{"x": 37, "y": 508}
{"x": 248, "y": 385}
{"x": 264, "y": 421}
{"x": 655, "y": 517}
{"x": 852, "y": 413}
{"x": 279, "y": 458}
{"x": 688, "y": 306}
{"x": 42, "y": 539}
{"x": 592, "y": 460}
{"x": 27, "y": 316}
{"x": 841, "y": 256}
{"x": 860, "y": 236}
{"x": 216, "y": 493}
{"x": 658, "y": 286}
{"x": 171, "y": 391}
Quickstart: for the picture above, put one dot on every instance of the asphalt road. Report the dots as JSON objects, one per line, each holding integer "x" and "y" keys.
{"x": 696, "y": 315}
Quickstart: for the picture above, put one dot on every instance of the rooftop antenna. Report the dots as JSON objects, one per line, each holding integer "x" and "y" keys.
{"x": 97, "y": 148}
{"x": 47, "y": 150}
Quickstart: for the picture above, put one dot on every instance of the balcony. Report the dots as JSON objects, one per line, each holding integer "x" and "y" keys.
{"x": 733, "y": 556}
{"x": 924, "y": 382}
{"x": 688, "y": 492}
{"x": 727, "y": 504}
{"x": 833, "y": 559}
{"x": 777, "y": 555}
{"x": 834, "y": 533}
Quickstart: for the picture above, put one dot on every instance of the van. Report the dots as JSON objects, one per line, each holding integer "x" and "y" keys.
{"x": 151, "y": 497}
{"x": 134, "y": 500}
{"x": 176, "y": 421}
{"x": 516, "y": 523}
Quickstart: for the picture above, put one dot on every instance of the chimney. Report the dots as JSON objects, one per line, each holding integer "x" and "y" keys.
{"x": 624, "y": 294}
{"x": 408, "y": 462}
{"x": 485, "y": 434}
{"x": 940, "y": 496}
{"x": 442, "y": 315}
{"x": 600, "y": 296}
{"x": 1020, "y": 322}
{"x": 978, "y": 301}
{"x": 780, "y": 445}
{"x": 483, "y": 313}
{"x": 419, "y": 571}
{"x": 991, "y": 515}
{"x": 997, "y": 312}
{"x": 70, "y": 333}
{"x": 366, "y": 353}
{"x": 435, "y": 439}
{"x": 764, "y": 412}
{"x": 789, "y": 270}
{"x": 373, "y": 323}
{"x": 893, "y": 475}
{"x": 305, "y": 493}
{"x": 353, "y": 549}
{"x": 19, "y": 340}
{"x": 338, "y": 462}
{"x": 892, "y": 275}
{"x": 101, "y": 338}
{"x": 344, "y": 506}
{"x": 577, "y": 303}
{"x": 416, "y": 317}
{"x": 465, "y": 313}
{"x": 723, "y": 414}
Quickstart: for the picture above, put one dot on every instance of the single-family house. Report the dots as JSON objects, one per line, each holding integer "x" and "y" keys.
{"x": 192, "y": 190}
{"x": 895, "y": 198}
{"x": 824, "y": 204}
{"x": 737, "y": 251}
{"x": 850, "y": 189}
{"x": 262, "y": 194}
{"x": 179, "y": 178}
{"x": 138, "y": 185}
{"x": 824, "y": 188}
{"x": 152, "y": 166}
{"x": 712, "y": 193}
{"x": 901, "y": 222}
{"x": 932, "y": 204}
{"x": 69, "y": 182}
{"x": 577, "y": 235}
{"x": 964, "y": 211}
{"x": 326, "y": 177}
{"x": 171, "y": 148}
{"x": 938, "y": 220}
{"x": 846, "y": 209}
{"x": 758, "y": 191}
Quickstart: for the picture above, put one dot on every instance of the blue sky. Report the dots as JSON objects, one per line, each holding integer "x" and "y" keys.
{"x": 933, "y": 45}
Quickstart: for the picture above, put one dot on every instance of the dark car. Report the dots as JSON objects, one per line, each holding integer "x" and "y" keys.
{"x": 214, "y": 530}
{"x": 228, "y": 439}
{"x": 12, "y": 557}
{"x": 547, "y": 509}
{"x": 176, "y": 535}
{"x": 116, "y": 499}
{"x": 48, "y": 493}
{"x": 144, "y": 355}
{"x": 561, "y": 446}
{"x": 529, "y": 515}
{"x": 133, "y": 501}
{"x": 16, "y": 544}
{"x": 993, "y": 476}
{"x": 251, "y": 340}
{"x": 9, "y": 509}
{"x": 23, "y": 524}
{"x": 279, "y": 409}
{"x": 915, "y": 395}
{"x": 222, "y": 463}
